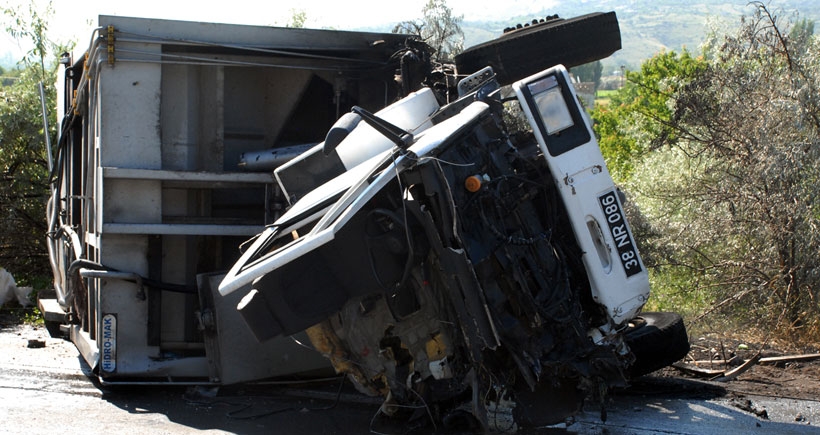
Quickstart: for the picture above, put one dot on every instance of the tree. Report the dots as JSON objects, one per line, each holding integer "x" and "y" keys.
{"x": 637, "y": 117}
{"x": 801, "y": 32}
{"x": 297, "y": 19}
{"x": 23, "y": 161}
{"x": 439, "y": 28}
{"x": 32, "y": 25}
{"x": 590, "y": 72}
{"x": 729, "y": 174}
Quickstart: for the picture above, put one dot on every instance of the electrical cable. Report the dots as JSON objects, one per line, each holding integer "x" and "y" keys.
{"x": 76, "y": 265}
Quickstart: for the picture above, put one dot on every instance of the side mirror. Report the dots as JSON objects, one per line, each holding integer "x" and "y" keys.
{"x": 339, "y": 131}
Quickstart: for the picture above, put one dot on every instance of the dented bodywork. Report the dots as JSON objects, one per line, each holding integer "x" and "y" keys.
{"x": 471, "y": 263}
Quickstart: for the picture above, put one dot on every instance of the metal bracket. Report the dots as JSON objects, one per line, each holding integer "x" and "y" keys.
{"x": 126, "y": 276}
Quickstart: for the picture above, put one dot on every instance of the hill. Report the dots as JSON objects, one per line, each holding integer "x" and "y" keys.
{"x": 647, "y": 26}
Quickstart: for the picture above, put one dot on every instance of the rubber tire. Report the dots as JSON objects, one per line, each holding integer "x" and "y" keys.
{"x": 657, "y": 340}
{"x": 521, "y": 53}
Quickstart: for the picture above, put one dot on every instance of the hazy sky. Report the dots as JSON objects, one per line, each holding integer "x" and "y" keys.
{"x": 74, "y": 20}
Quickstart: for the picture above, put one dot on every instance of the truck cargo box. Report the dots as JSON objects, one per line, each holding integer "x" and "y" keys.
{"x": 158, "y": 181}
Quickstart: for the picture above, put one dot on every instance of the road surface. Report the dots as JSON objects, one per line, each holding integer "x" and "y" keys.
{"x": 46, "y": 390}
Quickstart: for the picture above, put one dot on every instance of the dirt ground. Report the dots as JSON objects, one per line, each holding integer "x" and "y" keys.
{"x": 787, "y": 379}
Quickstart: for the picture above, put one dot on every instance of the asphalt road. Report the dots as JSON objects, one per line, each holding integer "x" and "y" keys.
{"x": 48, "y": 390}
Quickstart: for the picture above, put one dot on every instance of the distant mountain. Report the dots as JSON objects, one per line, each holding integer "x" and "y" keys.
{"x": 650, "y": 26}
{"x": 647, "y": 26}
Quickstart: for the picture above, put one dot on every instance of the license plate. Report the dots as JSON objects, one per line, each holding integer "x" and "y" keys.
{"x": 619, "y": 229}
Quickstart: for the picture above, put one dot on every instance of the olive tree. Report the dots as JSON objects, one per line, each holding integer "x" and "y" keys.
{"x": 439, "y": 28}
{"x": 732, "y": 184}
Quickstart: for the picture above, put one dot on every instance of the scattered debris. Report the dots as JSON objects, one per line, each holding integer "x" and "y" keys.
{"x": 791, "y": 358}
{"x": 732, "y": 370}
{"x": 697, "y": 371}
{"x": 737, "y": 371}
{"x": 36, "y": 344}
{"x": 774, "y": 360}
{"x": 748, "y": 406}
{"x": 9, "y": 290}
{"x": 722, "y": 375}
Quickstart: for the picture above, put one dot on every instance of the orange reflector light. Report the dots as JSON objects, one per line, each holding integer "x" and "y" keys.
{"x": 472, "y": 183}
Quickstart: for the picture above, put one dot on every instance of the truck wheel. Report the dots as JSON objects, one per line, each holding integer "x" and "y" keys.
{"x": 522, "y": 52}
{"x": 657, "y": 340}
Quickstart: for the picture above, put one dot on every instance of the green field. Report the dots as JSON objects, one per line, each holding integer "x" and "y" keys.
{"x": 602, "y": 97}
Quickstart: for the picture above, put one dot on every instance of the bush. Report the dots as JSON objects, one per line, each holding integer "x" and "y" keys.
{"x": 723, "y": 157}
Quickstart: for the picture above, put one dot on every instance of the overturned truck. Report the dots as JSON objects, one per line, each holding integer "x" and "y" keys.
{"x": 447, "y": 236}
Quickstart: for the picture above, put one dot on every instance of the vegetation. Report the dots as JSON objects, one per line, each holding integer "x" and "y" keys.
{"x": 8, "y": 76}
{"x": 722, "y": 153}
{"x": 438, "y": 27}
{"x": 23, "y": 160}
{"x": 637, "y": 117}
{"x": 297, "y": 19}
{"x": 590, "y": 72}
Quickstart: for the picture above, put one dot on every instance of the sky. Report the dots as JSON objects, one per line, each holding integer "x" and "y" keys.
{"x": 72, "y": 22}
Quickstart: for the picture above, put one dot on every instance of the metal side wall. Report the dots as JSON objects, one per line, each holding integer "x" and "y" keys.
{"x": 154, "y": 192}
